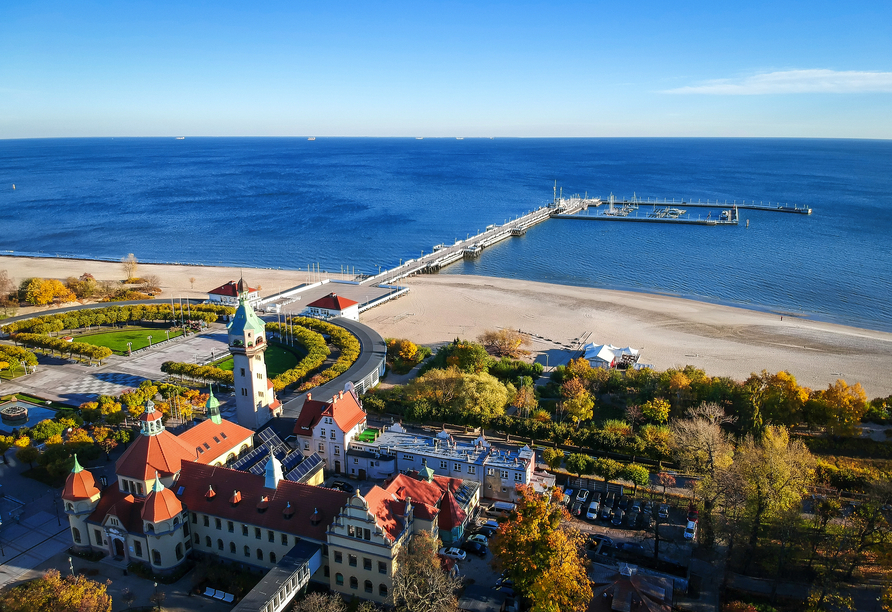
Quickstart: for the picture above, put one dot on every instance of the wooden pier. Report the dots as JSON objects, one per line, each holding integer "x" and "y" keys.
{"x": 770, "y": 207}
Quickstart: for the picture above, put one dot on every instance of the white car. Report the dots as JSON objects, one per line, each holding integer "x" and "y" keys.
{"x": 690, "y": 532}
{"x": 453, "y": 553}
{"x": 593, "y": 509}
{"x": 479, "y": 538}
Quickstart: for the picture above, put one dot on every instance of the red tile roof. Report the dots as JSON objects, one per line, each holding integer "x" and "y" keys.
{"x": 221, "y": 439}
{"x": 161, "y": 506}
{"x": 79, "y": 485}
{"x": 230, "y": 289}
{"x": 451, "y": 514}
{"x": 332, "y": 301}
{"x": 304, "y": 500}
{"x": 344, "y": 408}
{"x": 388, "y": 511}
{"x": 126, "y": 508}
{"x": 163, "y": 453}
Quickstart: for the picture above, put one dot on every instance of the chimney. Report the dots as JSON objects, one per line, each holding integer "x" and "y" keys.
{"x": 315, "y": 518}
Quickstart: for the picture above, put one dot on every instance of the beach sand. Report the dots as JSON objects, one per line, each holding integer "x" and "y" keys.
{"x": 722, "y": 340}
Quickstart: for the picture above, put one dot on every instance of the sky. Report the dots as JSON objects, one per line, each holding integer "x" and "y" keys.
{"x": 422, "y": 68}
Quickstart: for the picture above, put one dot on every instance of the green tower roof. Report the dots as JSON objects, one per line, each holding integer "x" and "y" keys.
{"x": 245, "y": 318}
{"x": 213, "y": 407}
{"x": 77, "y": 466}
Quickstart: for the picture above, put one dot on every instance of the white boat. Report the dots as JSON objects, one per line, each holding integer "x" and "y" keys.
{"x": 311, "y": 138}
{"x": 459, "y": 138}
{"x": 181, "y": 138}
{"x": 419, "y": 138}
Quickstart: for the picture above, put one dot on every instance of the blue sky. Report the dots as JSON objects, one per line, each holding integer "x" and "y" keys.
{"x": 299, "y": 68}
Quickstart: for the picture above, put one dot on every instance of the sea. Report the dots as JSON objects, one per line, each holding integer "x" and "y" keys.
{"x": 363, "y": 204}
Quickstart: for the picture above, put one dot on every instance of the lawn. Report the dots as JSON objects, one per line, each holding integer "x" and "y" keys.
{"x": 117, "y": 340}
{"x": 278, "y": 359}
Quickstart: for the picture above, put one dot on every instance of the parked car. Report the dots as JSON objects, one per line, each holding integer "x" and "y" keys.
{"x": 593, "y": 509}
{"x": 632, "y": 517}
{"x": 647, "y": 520}
{"x": 479, "y": 537}
{"x": 568, "y": 496}
{"x": 610, "y": 500}
{"x": 596, "y": 496}
{"x": 636, "y": 504}
{"x": 624, "y": 503}
{"x": 606, "y": 512}
{"x": 618, "y": 516}
{"x": 648, "y": 507}
{"x": 475, "y": 548}
{"x": 487, "y": 532}
{"x": 453, "y": 553}
{"x": 663, "y": 512}
{"x": 582, "y": 496}
{"x": 594, "y": 539}
{"x": 505, "y": 590}
{"x": 693, "y": 513}
{"x": 505, "y": 581}
{"x": 690, "y": 532}
{"x": 576, "y": 508}
{"x": 340, "y": 485}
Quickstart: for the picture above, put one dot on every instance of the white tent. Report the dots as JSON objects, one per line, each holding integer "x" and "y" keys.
{"x": 607, "y": 355}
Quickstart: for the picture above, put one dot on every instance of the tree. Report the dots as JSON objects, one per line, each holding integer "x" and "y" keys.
{"x": 656, "y": 410}
{"x": 775, "y": 473}
{"x": 665, "y": 480}
{"x": 321, "y": 602}
{"x": 28, "y": 455}
{"x": 5, "y": 445}
{"x": 540, "y": 551}
{"x": 40, "y": 291}
{"x": 580, "y": 464}
{"x": 774, "y": 399}
{"x": 407, "y": 350}
{"x": 554, "y": 457}
{"x": 525, "y": 399}
{"x": 53, "y": 593}
{"x": 129, "y": 264}
{"x": 420, "y": 584}
{"x": 504, "y": 342}
{"x": 638, "y": 475}
{"x": 608, "y": 469}
{"x": 843, "y": 406}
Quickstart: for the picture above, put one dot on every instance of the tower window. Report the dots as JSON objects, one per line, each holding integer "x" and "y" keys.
{"x": 243, "y": 371}
{"x": 245, "y": 392}
{"x": 76, "y": 534}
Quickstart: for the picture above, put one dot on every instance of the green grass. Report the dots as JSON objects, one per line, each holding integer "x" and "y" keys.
{"x": 278, "y": 359}
{"x": 117, "y": 340}
{"x": 42, "y": 402}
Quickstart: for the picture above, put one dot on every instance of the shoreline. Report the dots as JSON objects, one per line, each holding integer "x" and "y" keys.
{"x": 723, "y": 340}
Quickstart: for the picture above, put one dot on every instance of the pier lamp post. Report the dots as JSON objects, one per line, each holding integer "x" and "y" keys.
{"x": 167, "y": 331}
{"x": 71, "y": 565}
{"x": 129, "y": 349}
{"x": 149, "y": 338}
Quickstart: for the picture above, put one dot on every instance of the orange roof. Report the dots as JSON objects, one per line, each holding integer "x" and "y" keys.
{"x": 163, "y": 453}
{"x": 332, "y": 301}
{"x": 211, "y": 440}
{"x": 161, "y": 504}
{"x": 388, "y": 511}
{"x": 343, "y": 408}
{"x": 291, "y": 506}
{"x": 124, "y": 506}
{"x": 79, "y": 485}
{"x": 451, "y": 514}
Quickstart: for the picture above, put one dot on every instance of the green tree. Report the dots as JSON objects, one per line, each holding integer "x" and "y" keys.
{"x": 554, "y": 457}
{"x": 580, "y": 464}
{"x": 637, "y": 474}
{"x": 28, "y": 455}
{"x": 656, "y": 410}
{"x": 608, "y": 469}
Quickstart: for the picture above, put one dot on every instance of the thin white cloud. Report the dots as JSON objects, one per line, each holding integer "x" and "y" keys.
{"x": 794, "y": 81}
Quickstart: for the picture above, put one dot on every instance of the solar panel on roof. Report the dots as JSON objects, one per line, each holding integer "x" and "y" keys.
{"x": 250, "y": 459}
{"x": 269, "y": 436}
{"x": 305, "y": 467}
{"x": 291, "y": 461}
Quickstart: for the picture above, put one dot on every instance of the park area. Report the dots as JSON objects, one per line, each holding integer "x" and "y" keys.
{"x": 137, "y": 337}
{"x": 279, "y": 358}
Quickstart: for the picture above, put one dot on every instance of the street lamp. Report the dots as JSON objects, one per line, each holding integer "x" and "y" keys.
{"x": 71, "y": 565}
{"x": 149, "y": 338}
{"x": 129, "y": 349}
{"x": 167, "y": 331}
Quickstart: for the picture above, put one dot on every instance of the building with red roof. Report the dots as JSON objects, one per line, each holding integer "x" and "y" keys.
{"x": 328, "y": 428}
{"x": 228, "y": 295}
{"x": 333, "y": 305}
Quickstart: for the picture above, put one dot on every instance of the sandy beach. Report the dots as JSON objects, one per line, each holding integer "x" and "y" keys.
{"x": 670, "y": 331}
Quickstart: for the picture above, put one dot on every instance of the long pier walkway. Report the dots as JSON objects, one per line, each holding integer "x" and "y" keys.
{"x": 770, "y": 207}
{"x": 471, "y": 247}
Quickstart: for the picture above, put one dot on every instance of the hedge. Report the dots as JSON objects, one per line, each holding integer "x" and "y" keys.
{"x": 71, "y": 348}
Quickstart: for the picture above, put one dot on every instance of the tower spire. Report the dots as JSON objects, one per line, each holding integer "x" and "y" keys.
{"x": 273, "y": 472}
{"x": 213, "y": 407}
{"x": 77, "y": 466}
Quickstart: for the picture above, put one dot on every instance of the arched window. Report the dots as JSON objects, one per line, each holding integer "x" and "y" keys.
{"x": 243, "y": 450}
{"x": 247, "y": 551}
{"x": 260, "y": 554}
{"x": 354, "y": 583}
{"x": 368, "y": 586}
{"x": 71, "y": 507}
{"x": 76, "y": 535}
{"x": 207, "y": 541}
{"x": 219, "y": 544}
{"x": 230, "y": 457}
{"x": 272, "y": 557}
{"x": 232, "y": 547}
{"x": 339, "y": 579}
{"x": 176, "y": 520}
{"x": 382, "y": 590}
{"x": 179, "y": 551}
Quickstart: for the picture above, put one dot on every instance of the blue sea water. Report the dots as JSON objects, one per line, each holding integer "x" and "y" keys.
{"x": 364, "y": 203}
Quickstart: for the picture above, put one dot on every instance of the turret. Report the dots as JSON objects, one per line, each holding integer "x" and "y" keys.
{"x": 272, "y": 472}
{"x": 80, "y": 497}
{"x": 213, "y": 407}
{"x": 150, "y": 420}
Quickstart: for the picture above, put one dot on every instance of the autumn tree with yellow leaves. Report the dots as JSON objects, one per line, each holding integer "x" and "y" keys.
{"x": 542, "y": 553}
{"x": 56, "y": 593}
